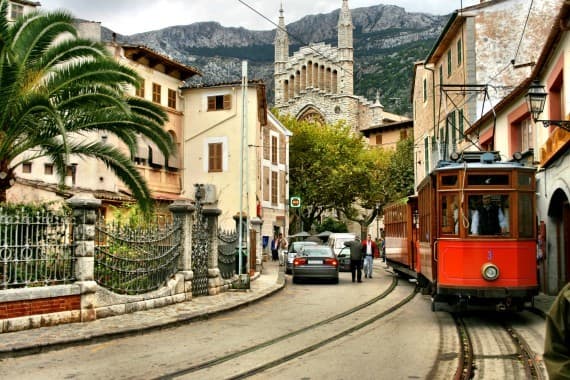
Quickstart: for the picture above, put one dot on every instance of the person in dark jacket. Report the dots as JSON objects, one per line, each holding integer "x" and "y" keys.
{"x": 557, "y": 342}
{"x": 355, "y": 259}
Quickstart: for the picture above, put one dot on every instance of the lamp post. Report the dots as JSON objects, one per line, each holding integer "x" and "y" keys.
{"x": 536, "y": 98}
{"x": 377, "y": 225}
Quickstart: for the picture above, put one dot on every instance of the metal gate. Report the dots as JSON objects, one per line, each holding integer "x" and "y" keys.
{"x": 200, "y": 251}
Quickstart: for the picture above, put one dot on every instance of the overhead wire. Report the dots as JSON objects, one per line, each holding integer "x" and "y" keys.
{"x": 293, "y": 36}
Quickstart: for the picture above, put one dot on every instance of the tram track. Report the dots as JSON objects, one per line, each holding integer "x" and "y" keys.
{"x": 305, "y": 340}
{"x": 492, "y": 345}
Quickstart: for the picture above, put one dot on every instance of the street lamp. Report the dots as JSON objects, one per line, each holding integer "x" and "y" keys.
{"x": 536, "y": 98}
{"x": 377, "y": 226}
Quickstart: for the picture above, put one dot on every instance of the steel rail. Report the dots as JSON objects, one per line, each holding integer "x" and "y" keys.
{"x": 268, "y": 343}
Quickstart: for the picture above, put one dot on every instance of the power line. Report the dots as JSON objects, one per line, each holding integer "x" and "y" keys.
{"x": 293, "y": 36}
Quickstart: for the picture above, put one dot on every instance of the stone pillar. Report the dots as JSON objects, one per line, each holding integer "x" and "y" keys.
{"x": 85, "y": 208}
{"x": 211, "y": 214}
{"x": 183, "y": 211}
{"x": 256, "y": 224}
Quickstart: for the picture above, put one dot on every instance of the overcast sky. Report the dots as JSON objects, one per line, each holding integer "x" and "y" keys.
{"x": 134, "y": 16}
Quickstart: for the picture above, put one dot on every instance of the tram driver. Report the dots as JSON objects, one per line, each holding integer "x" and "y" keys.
{"x": 488, "y": 218}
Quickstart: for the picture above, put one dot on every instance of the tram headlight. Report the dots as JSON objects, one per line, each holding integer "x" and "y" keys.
{"x": 490, "y": 271}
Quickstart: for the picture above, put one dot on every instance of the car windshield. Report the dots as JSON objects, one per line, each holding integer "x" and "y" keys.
{"x": 296, "y": 246}
{"x": 317, "y": 252}
{"x": 339, "y": 243}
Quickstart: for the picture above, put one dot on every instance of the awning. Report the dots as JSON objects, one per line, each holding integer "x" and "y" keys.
{"x": 156, "y": 156}
{"x": 142, "y": 149}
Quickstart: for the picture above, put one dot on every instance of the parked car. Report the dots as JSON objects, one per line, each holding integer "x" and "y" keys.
{"x": 315, "y": 262}
{"x": 294, "y": 248}
{"x": 336, "y": 240}
{"x": 344, "y": 259}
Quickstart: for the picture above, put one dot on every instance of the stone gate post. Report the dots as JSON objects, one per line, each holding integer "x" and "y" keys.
{"x": 85, "y": 208}
{"x": 183, "y": 211}
{"x": 256, "y": 224}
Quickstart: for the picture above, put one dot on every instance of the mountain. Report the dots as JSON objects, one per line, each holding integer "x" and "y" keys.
{"x": 387, "y": 42}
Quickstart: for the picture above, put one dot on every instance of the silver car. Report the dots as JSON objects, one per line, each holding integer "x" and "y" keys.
{"x": 294, "y": 248}
{"x": 315, "y": 262}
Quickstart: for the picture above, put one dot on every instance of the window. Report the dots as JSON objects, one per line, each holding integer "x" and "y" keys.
{"x": 425, "y": 90}
{"x": 27, "y": 167}
{"x": 525, "y": 220}
{"x": 449, "y": 214}
{"x": 215, "y": 151}
{"x": 172, "y": 98}
{"x": 140, "y": 91}
{"x": 48, "y": 169}
{"x": 274, "y": 147}
{"x": 449, "y": 62}
{"x": 219, "y": 102}
{"x": 527, "y": 135}
{"x": 440, "y": 74}
{"x": 379, "y": 139}
{"x": 488, "y": 180}
{"x": 274, "y": 187}
{"x": 452, "y": 130}
{"x": 156, "y": 88}
{"x": 460, "y": 123}
{"x": 16, "y": 11}
{"x": 459, "y": 52}
{"x": 489, "y": 214}
{"x": 403, "y": 134}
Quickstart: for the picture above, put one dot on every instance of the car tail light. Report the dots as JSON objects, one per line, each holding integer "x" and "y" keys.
{"x": 300, "y": 261}
{"x": 333, "y": 262}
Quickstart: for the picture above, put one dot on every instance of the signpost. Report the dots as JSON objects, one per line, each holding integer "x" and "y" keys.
{"x": 295, "y": 202}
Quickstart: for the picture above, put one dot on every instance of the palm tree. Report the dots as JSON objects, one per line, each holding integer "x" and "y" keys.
{"x": 56, "y": 89}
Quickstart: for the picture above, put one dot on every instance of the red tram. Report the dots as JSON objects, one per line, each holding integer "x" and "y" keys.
{"x": 469, "y": 236}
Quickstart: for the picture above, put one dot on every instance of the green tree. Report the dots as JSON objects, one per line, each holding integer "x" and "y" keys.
{"x": 401, "y": 171}
{"x": 373, "y": 188}
{"x": 56, "y": 89}
{"x": 324, "y": 162}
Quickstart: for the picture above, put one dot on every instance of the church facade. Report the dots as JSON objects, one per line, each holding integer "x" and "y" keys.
{"x": 316, "y": 83}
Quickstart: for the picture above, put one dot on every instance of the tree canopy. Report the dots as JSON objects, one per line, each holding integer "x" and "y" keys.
{"x": 334, "y": 170}
{"x": 56, "y": 89}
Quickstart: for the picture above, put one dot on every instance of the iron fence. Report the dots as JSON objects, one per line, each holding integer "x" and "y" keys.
{"x": 35, "y": 249}
{"x": 136, "y": 260}
{"x": 227, "y": 253}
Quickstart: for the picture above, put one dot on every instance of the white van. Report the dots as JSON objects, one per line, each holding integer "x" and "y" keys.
{"x": 336, "y": 240}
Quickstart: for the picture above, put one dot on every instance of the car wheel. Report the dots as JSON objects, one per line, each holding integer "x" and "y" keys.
{"x": 295, "y": 280}
{"x": 335, "y": 280}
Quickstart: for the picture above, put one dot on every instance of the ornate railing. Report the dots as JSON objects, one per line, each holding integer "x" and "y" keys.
{"x": 136, "y": 260}
{"x": 35, "y": 249}
{"x": 227, "y": 245}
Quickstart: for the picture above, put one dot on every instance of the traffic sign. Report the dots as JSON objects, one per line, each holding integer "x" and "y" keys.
{"x": 295, "y": 202}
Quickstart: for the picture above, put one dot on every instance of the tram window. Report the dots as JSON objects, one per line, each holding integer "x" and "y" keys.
{"x": 449, "y": 214}
{"x": 449, "y": 180}
{"x": 489, "y": 214}
{"x": 525, "y": 179}
{"x": 487, "y": 179}
{"x": 525, "y": 215}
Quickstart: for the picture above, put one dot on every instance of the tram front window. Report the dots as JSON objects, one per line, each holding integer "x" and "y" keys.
{"x": 489, "y": 214}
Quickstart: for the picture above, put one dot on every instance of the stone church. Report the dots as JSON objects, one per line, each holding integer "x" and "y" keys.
{"x": 317, "y": 84}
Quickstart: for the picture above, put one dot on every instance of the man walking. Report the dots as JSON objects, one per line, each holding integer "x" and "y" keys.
{"x": 355, "y": 259}
{"x": 370, "y": 249}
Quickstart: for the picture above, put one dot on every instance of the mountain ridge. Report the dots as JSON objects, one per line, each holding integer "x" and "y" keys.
{"x": 387, "y": 42}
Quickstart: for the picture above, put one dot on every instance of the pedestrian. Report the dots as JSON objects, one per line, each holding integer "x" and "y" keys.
{"x": 557, "y": 343}
{"x": 274, "y": 248}
{"x": 355, "y": 258}
{"x": 370, "y": 249}
{"x": 383, "y": 248}
{"x": 488, "y": 219}
{"x": 281, "y": 248}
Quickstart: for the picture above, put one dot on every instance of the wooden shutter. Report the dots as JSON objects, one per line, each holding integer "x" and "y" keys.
{"x": 215, "y": 157}
{"x": 227, "y": 102}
